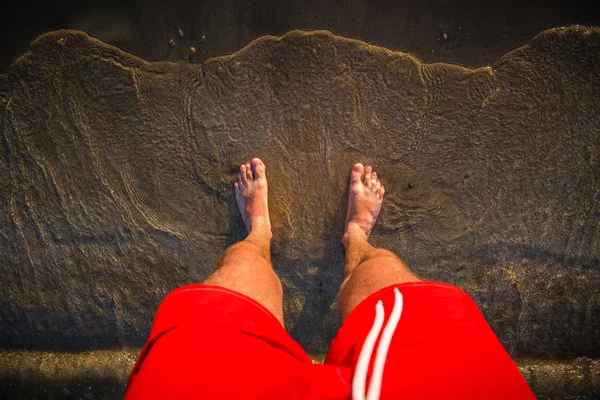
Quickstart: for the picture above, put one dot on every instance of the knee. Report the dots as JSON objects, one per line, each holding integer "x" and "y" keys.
{"x": 244, "y": 246}
{"x": 242, "y": 251}
{"x": 379, "y": 254}
{"x": 380, "y": 266}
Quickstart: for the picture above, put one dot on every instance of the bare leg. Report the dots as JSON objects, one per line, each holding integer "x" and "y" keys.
{"x": 246, "y": 266}
{"x": 368, "y": 269}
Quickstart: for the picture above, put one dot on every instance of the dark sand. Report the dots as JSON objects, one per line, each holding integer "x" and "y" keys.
{"x": 470, "y": 32}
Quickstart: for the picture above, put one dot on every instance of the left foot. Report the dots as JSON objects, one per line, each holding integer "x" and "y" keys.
{"x": 251, "y": 196}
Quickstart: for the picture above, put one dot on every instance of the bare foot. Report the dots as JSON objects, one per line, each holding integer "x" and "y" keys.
{"x": 364, "y": 200}
{"x": 251, "y": 196}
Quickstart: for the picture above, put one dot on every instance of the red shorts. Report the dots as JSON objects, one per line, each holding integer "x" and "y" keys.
{"x": 210, "y": 342}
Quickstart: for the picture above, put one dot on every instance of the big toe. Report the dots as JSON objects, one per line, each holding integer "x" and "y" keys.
{"x": 258, "y": 167}
{"x": 357, "y": 172}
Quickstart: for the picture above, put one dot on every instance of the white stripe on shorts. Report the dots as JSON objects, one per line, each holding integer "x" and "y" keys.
{"x": 359, "y": 381}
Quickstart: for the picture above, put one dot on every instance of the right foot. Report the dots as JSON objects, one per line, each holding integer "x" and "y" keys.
{"x": 364, "y": 200}
{"x": 251, "y": 196}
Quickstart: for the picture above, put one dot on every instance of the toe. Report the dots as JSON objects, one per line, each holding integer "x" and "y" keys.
{"x": 374, "y": 175}
{"x": 378, "y": 185}
{"x": 236, "y": 186}
{"x": 242, "y": 176}
{"x": 368, "y": 170}
{"x": 258, "y": 168}
{"x": 381, "y": 192}
{"x": 248, "y": 171}
{"x": 357, "y": 172}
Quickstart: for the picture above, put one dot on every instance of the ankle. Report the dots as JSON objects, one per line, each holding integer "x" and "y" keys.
{"x": 354, "y": 234}
{"x": 261, "y": 230}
